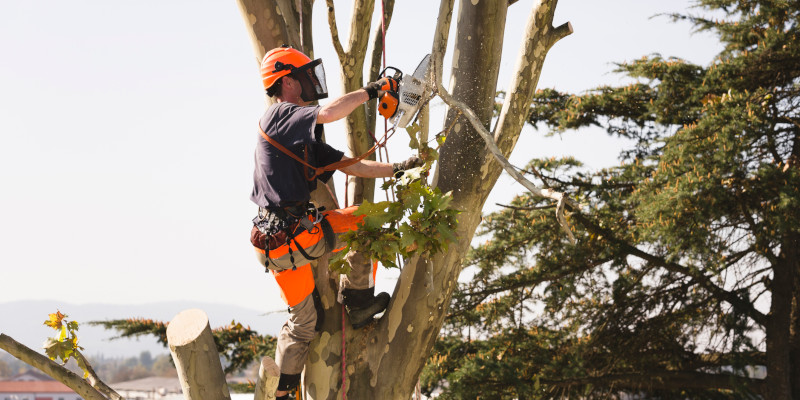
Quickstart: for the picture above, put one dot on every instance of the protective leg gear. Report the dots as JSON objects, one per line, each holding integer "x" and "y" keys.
{"x": 298, "y": 331}
{"x": 362, "y": 305}
{"x": 305, "y": 306}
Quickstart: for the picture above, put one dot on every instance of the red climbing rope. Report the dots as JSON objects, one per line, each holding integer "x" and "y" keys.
{"x": 344, "y": 358}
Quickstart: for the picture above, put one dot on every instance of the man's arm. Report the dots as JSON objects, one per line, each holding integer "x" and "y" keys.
{"x": 369, "y": 169}
{"x": 342, "y": 107}
{"x": 375, "y": 169}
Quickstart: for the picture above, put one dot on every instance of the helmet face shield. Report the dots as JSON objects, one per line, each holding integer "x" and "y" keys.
{"x": 312, "y": 79}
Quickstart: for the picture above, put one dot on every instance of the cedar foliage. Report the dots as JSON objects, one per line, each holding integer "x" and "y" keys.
{"x": 686, "y": 274}
{"x": 240, "y": 346}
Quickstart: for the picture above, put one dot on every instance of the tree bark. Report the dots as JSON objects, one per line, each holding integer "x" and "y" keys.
{"x": 196, "y": 358}
{"x": 384, "y": 360}
{"x": 778, "y": 327}
{"x": 779, "y": 323}
{"x": 266, "y": 26}
{"x": 351, "y": 62}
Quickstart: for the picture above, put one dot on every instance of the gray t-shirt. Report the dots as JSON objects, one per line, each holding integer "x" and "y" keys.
{"x": 279, "y": 180}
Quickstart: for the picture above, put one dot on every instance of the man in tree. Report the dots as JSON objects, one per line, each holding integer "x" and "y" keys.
{"x": 289, "y": 231}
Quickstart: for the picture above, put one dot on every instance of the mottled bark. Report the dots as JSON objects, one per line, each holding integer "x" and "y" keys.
{"x": 384, "y": 360}
{"x": 375, "y": 64}
{"x": 266, "y": 26}
{"x": 351, "y": 61}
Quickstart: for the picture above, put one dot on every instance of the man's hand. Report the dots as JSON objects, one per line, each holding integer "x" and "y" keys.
{"x": 374, "y": 89}
{"x": 412, "y": 162}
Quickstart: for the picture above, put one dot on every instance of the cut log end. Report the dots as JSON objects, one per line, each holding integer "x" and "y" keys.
{"x": 186, "y": 327}
{"x": 269, "y": 367}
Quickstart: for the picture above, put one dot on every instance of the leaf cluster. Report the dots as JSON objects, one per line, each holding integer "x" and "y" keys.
{"x": 66, "y": 345}
{"x": 420, "y": 222}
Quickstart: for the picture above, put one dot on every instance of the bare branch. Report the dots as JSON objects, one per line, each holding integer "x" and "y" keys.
{"x": 701, "y": 279}
{"x": 289, "y": 14}
{"x": 525, "y": 208}
{"x": 559, "y": 33}
{"x": 375, "y": 59}
{"x": 337, "y": 43}
{"x": 50, "y": 367}
{"x": 664, "y": 380}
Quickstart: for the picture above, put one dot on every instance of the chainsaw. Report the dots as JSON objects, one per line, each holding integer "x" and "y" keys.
{"x": 404, "y": 94}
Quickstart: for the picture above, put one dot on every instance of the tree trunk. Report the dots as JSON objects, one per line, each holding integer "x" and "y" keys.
{"x": 384, "y": 360}
{"x": 196, "y": 358}
{"x": 778, "y": 327}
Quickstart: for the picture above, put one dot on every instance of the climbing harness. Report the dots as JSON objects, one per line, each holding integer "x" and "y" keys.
{"x": 275, "y": 227}
{"x": 317, "y": 171}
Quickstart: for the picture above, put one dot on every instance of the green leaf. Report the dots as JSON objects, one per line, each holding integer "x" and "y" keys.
{"x": 55, "y": 349}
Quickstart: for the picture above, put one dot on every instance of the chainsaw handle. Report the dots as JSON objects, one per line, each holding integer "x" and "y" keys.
{"x": 398, "y": 75}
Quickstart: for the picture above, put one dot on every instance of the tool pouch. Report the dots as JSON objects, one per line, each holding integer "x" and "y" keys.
{"x": 288, "y": 242}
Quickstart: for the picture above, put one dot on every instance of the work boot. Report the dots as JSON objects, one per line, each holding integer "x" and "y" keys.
{"x": 362, "y": 305}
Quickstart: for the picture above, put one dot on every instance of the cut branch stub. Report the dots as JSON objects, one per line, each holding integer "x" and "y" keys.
{"x": 268, "y": 376}
{"x": 196, "y": 358}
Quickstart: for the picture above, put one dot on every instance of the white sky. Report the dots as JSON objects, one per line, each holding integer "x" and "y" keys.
{"x": 127, "y": 132}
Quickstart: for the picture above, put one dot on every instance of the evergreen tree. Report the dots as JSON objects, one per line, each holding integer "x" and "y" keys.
{"x": 685, "y": 282}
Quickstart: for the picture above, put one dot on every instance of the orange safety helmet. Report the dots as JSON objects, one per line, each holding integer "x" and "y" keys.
{"x": 285, "y": 60}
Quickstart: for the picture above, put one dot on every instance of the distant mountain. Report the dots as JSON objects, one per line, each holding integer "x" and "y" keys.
{"x": 22, "y": 320}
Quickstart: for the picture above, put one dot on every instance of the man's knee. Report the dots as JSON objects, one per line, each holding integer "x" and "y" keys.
{"x": 303, "y": 320}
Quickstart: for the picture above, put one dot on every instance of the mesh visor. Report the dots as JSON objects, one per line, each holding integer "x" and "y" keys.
{"x": 312, "y": 78}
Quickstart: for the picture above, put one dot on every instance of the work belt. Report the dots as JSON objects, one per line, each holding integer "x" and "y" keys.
{"x": 276, "y": 227}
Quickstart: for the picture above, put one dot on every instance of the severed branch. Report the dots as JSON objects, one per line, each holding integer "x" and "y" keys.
{"x": 439, "y": 47}
{"x": 525, "y": 208}
{"x": 51, "y": 368}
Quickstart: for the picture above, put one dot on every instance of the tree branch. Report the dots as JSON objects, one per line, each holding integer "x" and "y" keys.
{"x": 337, "y": 43}
{"x": 289, "y": 14}
{"x": 94, "y": 380}
{"x": 559, "y": 33}
{"x": 50, "y": 367}
{"x": 492, "y": 146}
{"x": 439, "y": 45}
{"x": 375, "y": 59}
{"x": 664, "y": 380}
{"x": 697, "y": 276}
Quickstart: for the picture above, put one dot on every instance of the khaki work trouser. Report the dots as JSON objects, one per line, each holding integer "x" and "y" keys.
{"x": 298, "y": 331}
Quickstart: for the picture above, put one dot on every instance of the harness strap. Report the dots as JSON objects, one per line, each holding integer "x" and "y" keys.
{"x": 317, "y": 170}
{"x": 327, "y": 234}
